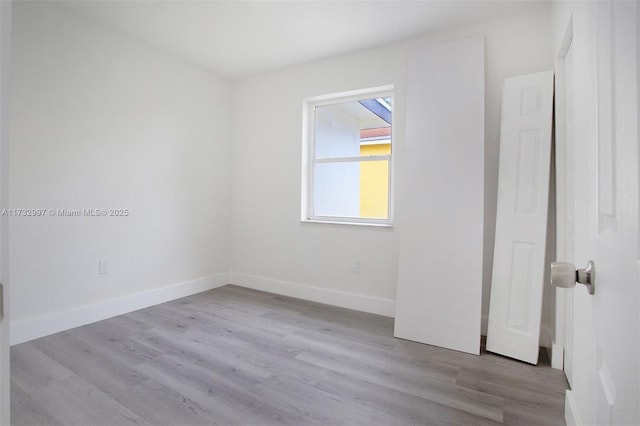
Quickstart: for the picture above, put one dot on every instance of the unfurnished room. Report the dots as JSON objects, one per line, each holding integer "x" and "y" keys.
{"x": 226, "y": 212}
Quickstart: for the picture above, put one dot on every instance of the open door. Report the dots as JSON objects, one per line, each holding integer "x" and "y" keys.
{"x": 562, "y": 349}
{"x": 602, "y": 361}
{"x": 5, "y": 40}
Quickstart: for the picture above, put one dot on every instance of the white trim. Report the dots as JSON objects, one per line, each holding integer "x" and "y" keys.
{"x": 352, "y": 95}
{"x": 359, "y": 159}
{"x": 342, "y": 299}
{"x": 309, "y": 160}
{"x": 571, "y": 414}
{"x": 557, "y": 356}
{"x": 339, "y": 220}
{"x": 33, "y": 328}
{"x": 561, "y": 316}
{"x": 349, "y": 221}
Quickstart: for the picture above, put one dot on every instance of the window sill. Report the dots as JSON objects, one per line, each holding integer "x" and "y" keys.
{"x": 335, "y": 222}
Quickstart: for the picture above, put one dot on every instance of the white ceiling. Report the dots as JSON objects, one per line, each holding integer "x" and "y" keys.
{"x": 241, "y": 38}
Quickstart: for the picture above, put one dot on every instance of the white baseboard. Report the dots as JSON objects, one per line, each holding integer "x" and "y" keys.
{"x": 357, "y": 302}
{"x": 571, "y": 415}
{"x": 33, "y": 328}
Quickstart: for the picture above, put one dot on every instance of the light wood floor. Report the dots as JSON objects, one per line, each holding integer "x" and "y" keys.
{"x": 237, "y": 356}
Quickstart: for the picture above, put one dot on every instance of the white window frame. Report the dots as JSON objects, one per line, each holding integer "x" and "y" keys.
{"x": 309, "y": 160}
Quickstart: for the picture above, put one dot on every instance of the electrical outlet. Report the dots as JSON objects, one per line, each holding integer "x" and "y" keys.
{"x": 103, "y": 267}
{"x": 355, "y": 266}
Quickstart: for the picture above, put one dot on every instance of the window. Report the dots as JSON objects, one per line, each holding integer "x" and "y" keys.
{"x": 347, "y": 169}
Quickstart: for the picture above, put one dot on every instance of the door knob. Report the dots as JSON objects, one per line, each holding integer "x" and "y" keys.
{"x": 565, "y": 275}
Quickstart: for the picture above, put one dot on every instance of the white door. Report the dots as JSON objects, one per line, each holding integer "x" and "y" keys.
{"x": 5, "y": 35}
{"x": 565, "y": 224}
{"x": 521, "y": 224}
{"x": 442, "y": 200}
{"x": 603, "y": 363}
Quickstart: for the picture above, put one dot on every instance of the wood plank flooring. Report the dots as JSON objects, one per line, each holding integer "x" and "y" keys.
{"x": 233, "y": 356}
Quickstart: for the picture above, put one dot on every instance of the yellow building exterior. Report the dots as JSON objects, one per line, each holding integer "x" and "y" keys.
{"x": 374, "y": 181}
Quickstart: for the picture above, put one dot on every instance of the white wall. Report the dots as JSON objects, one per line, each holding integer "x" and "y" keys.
{"x": 271, "y": 249}
{"x": 103, "y": 121}
{"x": 5, "y": 69}
{"x": 99, "y": 120}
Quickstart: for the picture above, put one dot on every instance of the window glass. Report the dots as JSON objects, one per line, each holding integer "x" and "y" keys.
{"x": 349, "y": 173}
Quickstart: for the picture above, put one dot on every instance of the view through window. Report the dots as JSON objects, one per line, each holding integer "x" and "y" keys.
{"x": 350, "y": 145}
